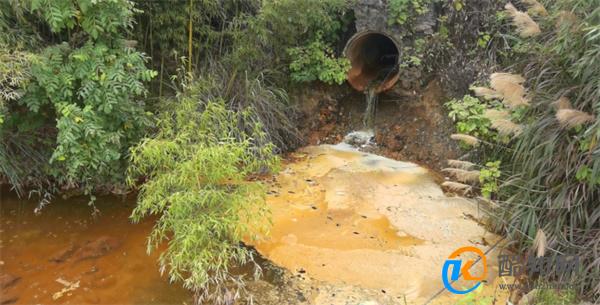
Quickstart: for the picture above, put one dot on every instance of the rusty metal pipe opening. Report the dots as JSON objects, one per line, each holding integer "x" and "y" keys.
{"x": 374, "y": 58}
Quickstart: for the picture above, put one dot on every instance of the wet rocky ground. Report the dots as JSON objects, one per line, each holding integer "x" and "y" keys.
{"x": 358, "y": 228}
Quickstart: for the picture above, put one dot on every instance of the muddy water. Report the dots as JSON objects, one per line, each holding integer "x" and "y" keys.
{"x": 361, "y": 220}
{"x": 358, "y": 229}
{"x": 65, "y": 256}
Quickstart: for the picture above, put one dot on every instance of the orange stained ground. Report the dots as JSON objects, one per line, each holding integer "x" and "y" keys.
{"x": 351, "y": 218}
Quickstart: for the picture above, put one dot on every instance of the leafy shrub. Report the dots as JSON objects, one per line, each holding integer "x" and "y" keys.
{"x": 199, "y": 169}
{"x": 162, "y": 29}
{"x": 20, "y": 156}
{"x": 468, "y": 113}
{"x": 92, "y": 91}
{"x": 82, "y": 90}
{"x": 317, "y": 62}
{"x": 96, "y": 18}
{"x": 15, "y": 75}
{"x": 292, "y": 22}
{"x": 284, "y": 36}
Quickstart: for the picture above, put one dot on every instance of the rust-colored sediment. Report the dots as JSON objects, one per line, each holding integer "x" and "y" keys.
{"x": 352, "y": 218}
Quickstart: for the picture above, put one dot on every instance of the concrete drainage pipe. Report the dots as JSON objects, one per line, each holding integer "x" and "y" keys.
{"x": 374, "y": 57}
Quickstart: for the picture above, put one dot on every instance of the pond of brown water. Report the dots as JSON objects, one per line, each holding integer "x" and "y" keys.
{"x": 67, "y": 256}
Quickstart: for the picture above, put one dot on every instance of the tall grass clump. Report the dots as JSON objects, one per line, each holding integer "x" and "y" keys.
{"x": 200, "y": 178}
{"x": 555, "y": 181}
{"x": 240, "y": 90}
{"x": 549, "y": 139}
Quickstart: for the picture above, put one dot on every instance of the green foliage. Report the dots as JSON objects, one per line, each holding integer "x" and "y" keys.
{"x": 199, "y": 169}
{"x": 284, "y": 36}
{"x": 15, "y": 75}
{"x": 551, "y": 171}
{"x": 489, "y": 178}
{"x": 162, "y": 30}
{"x": 401, "y": 11}
{"x": 484, "y": 40}
{"x": 554, "y": 297}
{"x": 317, "y": 62}
{"x": 458, "y": 4}
{"x": 293, "y": 22}
{"x": 586, "y": 175}
{"x": 88, "y": 85}
{"x": 468, "y": 113}
{"x": 96, "y": 18}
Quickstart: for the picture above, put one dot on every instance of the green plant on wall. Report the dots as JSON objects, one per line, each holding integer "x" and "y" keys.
{"x": 401, "y": 11}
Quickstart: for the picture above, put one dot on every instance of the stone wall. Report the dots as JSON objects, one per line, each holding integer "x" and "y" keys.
{"x": 373, "y": 15}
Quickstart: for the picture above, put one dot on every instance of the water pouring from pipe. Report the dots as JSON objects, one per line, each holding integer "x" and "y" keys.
{"x": 374, "y": 69}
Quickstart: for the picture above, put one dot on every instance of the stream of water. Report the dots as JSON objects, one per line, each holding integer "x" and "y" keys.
{"x": 371, "y": 101}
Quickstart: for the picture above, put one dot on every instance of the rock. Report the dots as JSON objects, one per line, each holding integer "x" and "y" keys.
{"x": 359, "y": 138}
{"x": 373, "y": 15}
{"x": 425, "y": 24}
{"x": 64, "y": 254}
{"x": 97, "y": 248}
{"x": 529, "y": 298}
{"x": 8, "y": 280}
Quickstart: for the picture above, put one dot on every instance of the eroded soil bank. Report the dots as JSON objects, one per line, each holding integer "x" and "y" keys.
{"x": 411, "y": 123}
